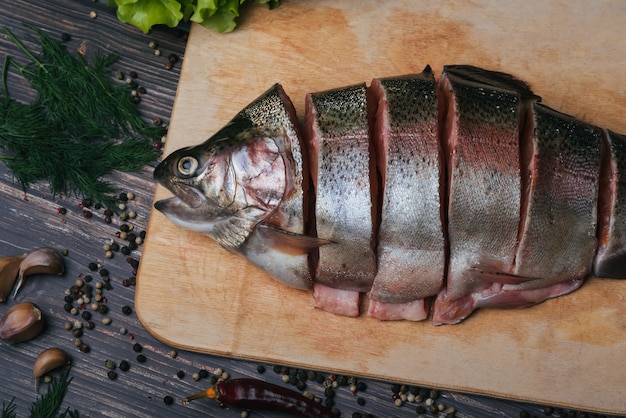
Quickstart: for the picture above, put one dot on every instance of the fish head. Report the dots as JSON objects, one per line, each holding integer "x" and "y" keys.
{"x": 226, "y": 185}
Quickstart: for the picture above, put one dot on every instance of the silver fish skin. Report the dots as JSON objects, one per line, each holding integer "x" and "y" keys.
{"x": 243, "y": 187}
{"x": 507, "y": 204}
{"x": 411, "y": 243}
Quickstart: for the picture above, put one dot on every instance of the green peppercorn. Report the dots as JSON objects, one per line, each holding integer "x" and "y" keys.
{"x": 112, "y": 375}
{"x": 110, "y": 364}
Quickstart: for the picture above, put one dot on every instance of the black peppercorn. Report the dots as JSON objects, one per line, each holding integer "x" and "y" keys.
{"x": 168, "y": 400}
{"x": 112, "y": 375}
{"x": 88, "y": 278}
{"x": 141, "y": 358}
{"x": 103, "y": 309}
{"x": 260, "y": 369}
{"x": 137, "y": 348}
{"x": 360, "y": 401}
{"x": 93, "y": 266}
{"x": 180, "y": 374}
{"x": 124, "y": 365}
{"x": 127, "y": 310}
{"x": 203, "y": 373}
{"x": 104, "y": 272}
{"x": 86, "y": 315}
{"x": 84, "y": 348}
{"x": 67, "y": 307}
{"x": 124, "y": 228}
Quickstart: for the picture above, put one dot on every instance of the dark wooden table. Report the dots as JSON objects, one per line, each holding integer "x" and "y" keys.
{"x": 30, "y": 219}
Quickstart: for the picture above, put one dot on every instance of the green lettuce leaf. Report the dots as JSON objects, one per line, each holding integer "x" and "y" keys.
{"x": 217, "y": 15}
{"x": 144, "y": 14}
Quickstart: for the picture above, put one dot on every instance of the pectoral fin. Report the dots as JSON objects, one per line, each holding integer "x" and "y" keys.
{"x": 232, "y": 232}
{"x": 289, "y": 242}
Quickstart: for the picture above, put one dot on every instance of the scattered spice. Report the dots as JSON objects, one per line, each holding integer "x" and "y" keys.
{"x": 168, "y": 400}
{"x": 124, "y": 365}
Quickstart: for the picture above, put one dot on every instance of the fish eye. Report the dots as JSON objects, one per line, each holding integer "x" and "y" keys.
{"x": 187, "y": 165}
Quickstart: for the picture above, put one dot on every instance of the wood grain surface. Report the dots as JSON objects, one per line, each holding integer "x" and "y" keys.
{"x": 571, "y": 54}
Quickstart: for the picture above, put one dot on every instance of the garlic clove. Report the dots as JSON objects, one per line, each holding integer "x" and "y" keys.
{"x": 22, "y": 322}
{"x": 9, "y": 267}
{"x": 44, "y": 260}
{"x": 48, "y": 360}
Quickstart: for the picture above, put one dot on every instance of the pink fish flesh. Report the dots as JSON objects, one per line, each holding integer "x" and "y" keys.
{"x": 425, "y": 196}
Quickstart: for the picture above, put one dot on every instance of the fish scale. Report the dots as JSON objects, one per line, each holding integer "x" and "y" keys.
{"x": 341, "y": 165}
{"x": 484, "y": 186}
{"x": 411, "y": 246}
{"x": 464, "y": 190}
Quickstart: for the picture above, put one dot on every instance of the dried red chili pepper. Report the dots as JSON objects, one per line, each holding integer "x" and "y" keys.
{"x": 256, "y": 394}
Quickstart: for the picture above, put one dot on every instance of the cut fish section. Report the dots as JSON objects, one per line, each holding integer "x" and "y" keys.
{"x": 337, "y": 134}
{"x": 411, "y": 246}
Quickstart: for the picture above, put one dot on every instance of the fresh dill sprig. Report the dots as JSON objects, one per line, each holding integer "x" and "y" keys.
{"x": 78, "y": 129}
{"x": 8, "y": 410}
{"x": 48, "y": 405}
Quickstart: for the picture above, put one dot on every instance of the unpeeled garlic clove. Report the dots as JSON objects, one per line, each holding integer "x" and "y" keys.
{"x": 22, "y": 322}
{"x": 49, "y": 359}
{"x": 9, "y": 267}
{"x": 44, "y": 260}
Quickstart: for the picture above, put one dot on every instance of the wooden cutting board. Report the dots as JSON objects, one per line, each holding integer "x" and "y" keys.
{"x": 191, "y": 294}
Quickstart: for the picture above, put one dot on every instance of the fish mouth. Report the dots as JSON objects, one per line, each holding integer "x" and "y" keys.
{"x": 184, "y": 194}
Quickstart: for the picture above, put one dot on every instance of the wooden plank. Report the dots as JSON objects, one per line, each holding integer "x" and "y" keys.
{"x": 523, "y": 354}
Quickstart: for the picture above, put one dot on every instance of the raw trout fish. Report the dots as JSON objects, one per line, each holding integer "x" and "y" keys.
{"x": 428, "y": 196}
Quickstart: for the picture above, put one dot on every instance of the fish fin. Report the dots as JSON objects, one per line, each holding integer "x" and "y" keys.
{"x": 492, "y": 78}
{"x": 496, "y": 276}
{"x": 289, "y": 242}
{"x": 232, "y": 232}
